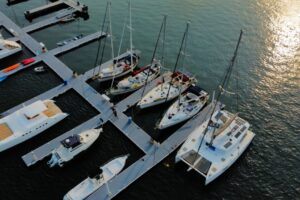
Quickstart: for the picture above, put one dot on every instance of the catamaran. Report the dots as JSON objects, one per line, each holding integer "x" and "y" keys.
{"x": 90, "y": 185}
{"x": 8, "y": 48}
{"x": 72, "y": 146}
{"x": 218, "y": 142}
{"x": 123, "y": 64}
{"x": 28, "y": 122}
{"x": 187, "y": 105}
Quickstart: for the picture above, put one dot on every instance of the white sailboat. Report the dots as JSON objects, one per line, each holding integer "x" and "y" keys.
{"x": 123, "y": 64}
{"x": 188, "y": 105}
{"x": 138, "y": 79}
{"x": 72, "y": 146}
{"x": 167, "y": 91}
{"x": 28, "y": 122}
{"x": 90, "y": 185}
{"x": 8, "y": 48}
{"x": 218, "y": 142}
{"x": 146, "y": 74}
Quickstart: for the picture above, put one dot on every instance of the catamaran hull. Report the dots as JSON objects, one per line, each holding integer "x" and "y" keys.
{"x": 34, "y": 131}
{"x": 243, "y": 146}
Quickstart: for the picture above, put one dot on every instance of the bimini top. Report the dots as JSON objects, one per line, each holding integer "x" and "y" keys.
{"x": 195, "y": 90}
{"x": 71, "y": 142}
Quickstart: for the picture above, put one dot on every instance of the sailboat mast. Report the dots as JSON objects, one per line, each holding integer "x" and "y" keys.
{"x": 163, "y": 24}
{"x": 111, "y": 33}
{"x": 130, "y": 28}
{"x": 178, "y": 56}
{"x": 99, "y": 40}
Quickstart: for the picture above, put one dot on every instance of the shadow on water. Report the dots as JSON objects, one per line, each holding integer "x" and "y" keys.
{"x": 25, "y": 85}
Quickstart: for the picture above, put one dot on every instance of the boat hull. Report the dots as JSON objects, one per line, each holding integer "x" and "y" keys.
{"x": 15, "y": 141}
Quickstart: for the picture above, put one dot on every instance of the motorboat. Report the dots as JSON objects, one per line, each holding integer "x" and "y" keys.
{"x": 187, "y": 106}
{"x": 64, "y": 42}
{"x": 216, "y": 144}
{"x": 167, "y": 90}
{"x": 138, "y": 79}
{"x": 90, "y": 185}
{"x": 8, "y": 48}
{"x": 28, "y": 122}
{"x": 72, "y": 146}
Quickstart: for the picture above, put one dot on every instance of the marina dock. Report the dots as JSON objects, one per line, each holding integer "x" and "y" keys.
{"x": 78, "y": 8}
{"x": 153, "y": 151}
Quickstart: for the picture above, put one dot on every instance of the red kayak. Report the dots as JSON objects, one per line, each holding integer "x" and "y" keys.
{"x": 28, "y": 61}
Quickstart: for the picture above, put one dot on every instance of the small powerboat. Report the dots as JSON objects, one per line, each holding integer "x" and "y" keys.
{"x": 187, "y": 106}
{"x": 40, "y": 69}
{"x": 137, "y": 79}
{"x": 90, "y": 185}
{"x": 72, "y": 146}
{"x": 64, "y": 42}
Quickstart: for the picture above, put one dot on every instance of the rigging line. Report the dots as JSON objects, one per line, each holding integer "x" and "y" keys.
{"x": 178, "y": 56}
{"x": 154, "y": 53}
{"x": 237, "y": 89}
{"x": 102, "y": 53}
{"x": 99, "y": 41}
{"x": 130, "y": 24}
{"x": 112, "y": 46}
{"x": 163, "y": 43}
{"x": 123, "y": 32}
{"x": 219, "y": 93}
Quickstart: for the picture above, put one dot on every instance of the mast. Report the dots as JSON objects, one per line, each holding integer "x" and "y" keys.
{"x": 224, "y": 83}
{"x": 99, "y": 40}
{"x": 178, "y": 56}
{"x": 111, "y": 43}
{"x": 163, "y": 25}
{"x": 130, "y": 32}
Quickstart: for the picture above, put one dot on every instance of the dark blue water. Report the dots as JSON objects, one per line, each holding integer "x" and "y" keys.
{"x": 268, "y": 68}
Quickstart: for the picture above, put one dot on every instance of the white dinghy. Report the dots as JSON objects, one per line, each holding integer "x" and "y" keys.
{"x": 167, "y": 91}
{"x": 8, "y": 48}
{"x": 90, "y": 185}
{"x": 72, "y": 146}
{"x": 187, "y": 105}
{"x": 138, "y": 79}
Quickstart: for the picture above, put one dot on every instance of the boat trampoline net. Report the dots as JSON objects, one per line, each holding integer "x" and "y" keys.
{"x": 197, "y": 162}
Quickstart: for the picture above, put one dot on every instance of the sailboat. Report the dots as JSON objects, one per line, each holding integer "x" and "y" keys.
{"x": 144, "y": 75}
{"x": 168, "y": 90}
{"x": 187, "y": 105}
{"x": 218, "y": 142}
{"x": 8, "y": 48}
{"x": 123, "y": 64}
{"x": 90, "y": 185}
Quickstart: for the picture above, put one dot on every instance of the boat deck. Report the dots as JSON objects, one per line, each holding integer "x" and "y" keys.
{"x": 154, "y": 152}
{"x": 5, "y": 131}
{"x": 52, "y": 109}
